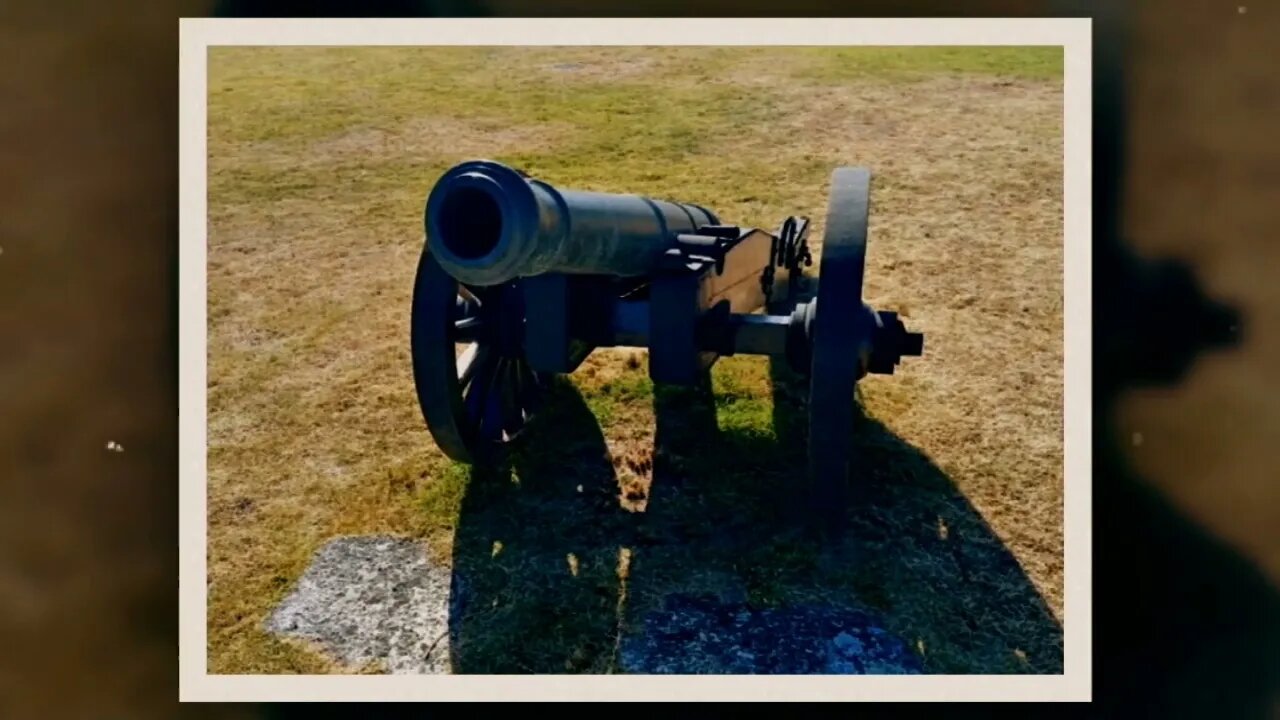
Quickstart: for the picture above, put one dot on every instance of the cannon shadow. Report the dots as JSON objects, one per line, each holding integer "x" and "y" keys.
{"x": 552, "y": 575}
{"x": 916, "y": 559}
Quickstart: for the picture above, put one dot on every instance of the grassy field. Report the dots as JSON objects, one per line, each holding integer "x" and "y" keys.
{"x": 319, "y": 164}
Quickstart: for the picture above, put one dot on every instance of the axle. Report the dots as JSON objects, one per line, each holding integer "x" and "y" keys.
{"x": 886, "y": 339}
{"x": 616, "y": 322}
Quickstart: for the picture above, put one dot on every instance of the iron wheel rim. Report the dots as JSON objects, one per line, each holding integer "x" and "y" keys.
{"x": 475, "y": 403}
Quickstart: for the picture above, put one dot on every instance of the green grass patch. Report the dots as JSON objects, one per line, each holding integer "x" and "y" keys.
{"x": 907, "y": 63}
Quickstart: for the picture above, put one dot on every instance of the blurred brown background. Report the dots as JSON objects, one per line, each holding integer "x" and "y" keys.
{"x": 1184, "y": 592}
{"x": 1204, "y": 177}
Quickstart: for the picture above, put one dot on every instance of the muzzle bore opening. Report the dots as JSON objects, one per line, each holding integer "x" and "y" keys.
{"x": 470, "y": 223}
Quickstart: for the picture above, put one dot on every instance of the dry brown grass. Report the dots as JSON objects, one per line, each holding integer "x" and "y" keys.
{"x": 320, "y": 161}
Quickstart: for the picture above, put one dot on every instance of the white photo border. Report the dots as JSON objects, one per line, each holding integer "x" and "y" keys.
{"x": 1074, "y": 35}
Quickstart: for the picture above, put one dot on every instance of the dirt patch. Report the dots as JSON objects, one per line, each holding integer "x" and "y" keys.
{"x": 589, "y": 70}
{"x": 633, "y": 463}
{"x": 925, "y": 120}
{"x": 439, "y": 136}
{"x": 427, "y": 138}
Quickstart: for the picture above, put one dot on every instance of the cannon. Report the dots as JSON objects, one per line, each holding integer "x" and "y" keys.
{"x": 519, "y": 281}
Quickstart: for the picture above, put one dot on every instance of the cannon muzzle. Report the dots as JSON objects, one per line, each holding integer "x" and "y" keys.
{"x": 487, "y": 223}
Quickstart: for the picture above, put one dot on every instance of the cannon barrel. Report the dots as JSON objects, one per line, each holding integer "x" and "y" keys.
{"x": 487, "y": 223}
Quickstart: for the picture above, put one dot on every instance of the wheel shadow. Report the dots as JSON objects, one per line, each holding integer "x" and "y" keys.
{"x": 535, "y": 553}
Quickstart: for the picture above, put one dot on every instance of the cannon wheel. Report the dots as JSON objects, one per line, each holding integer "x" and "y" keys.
{"x": 840, "y": 332}
{"x": 476, "y": 401}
